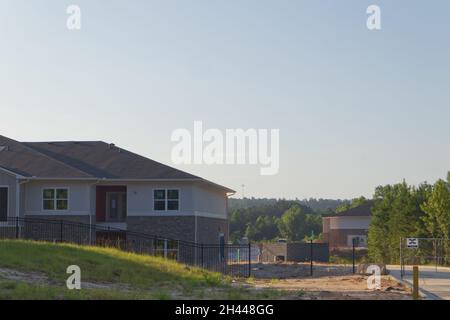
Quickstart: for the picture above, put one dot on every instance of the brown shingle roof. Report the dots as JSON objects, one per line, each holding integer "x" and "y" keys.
{"x": 84, "y": 159}
{"x": 363, "y": 210}
{"x": 19, "y": 158}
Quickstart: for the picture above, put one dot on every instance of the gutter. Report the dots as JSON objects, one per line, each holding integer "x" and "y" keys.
{"x": 95, "y": 211}
{"x": 18, "y": 186}
{"x": 229, "y": 191}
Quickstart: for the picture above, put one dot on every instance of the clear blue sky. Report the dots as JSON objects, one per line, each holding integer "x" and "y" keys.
{"x": 355, "y": 108}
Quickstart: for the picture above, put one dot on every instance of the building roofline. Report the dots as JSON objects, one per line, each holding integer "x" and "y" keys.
{"x": 80, "y": 174}
{"x": 228, "y": 190}
{"x": 12, "y": 173}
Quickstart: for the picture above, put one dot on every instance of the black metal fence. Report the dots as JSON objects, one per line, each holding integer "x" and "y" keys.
{"x": 228, "y": 259}
{"x": 432, "y": 252}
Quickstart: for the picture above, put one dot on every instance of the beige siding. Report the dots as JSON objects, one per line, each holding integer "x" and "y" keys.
{"x": 194, "y": 200}
{"x": 210, "y": 201}
{"x": 79, "y": 197}
{"x": 349, "y": 222}
{"x": 140, "y": 198}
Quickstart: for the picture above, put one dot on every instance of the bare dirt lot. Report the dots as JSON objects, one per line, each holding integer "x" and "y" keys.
{"x": 329, "y": 282}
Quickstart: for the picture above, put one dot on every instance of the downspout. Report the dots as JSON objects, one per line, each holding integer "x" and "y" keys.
{"x": 228, "y": 195}
{"x": 195, "y": 237}
{"x": 90, "y": 213}
{"x": 18, "y": 186}
{"x": 195, "y": 227}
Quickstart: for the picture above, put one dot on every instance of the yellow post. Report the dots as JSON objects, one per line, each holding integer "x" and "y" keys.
{"x": 415, "y": 282}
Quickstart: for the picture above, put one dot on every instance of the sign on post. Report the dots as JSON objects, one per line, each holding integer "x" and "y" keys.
{"x": 412, "y": 243}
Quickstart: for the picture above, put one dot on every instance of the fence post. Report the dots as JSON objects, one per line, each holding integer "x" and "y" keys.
{"x": 201, "y": 255}
{"x": 249, "y": 259}
{"x": 311, "y": 257}
{"x": 401, "y": 257}
{"x": 435, "y": 254}
{"x": 415, "y": 282}
{"x": 165, "y": 248}
{"x": 17, "y": 227}
{"x": 61, "y": 231}
{"x": 353, "y": 254}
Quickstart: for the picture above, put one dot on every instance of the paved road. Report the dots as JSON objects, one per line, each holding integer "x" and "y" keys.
{"x": 433, "y": 284}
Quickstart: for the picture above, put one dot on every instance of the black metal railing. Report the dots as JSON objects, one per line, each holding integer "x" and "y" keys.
{"x": 230, "y": 259}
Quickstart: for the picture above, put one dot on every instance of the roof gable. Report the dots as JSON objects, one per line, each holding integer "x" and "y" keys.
{"x": 22, "y": 160}
{"x": 364, "y": 210}
{"x": 85, "y": 160}
{"x": 101, "y": 160}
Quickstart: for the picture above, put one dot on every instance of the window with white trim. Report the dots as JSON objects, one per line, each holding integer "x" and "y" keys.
{"x": 55, "y": 199}
{"x": 166, "y": 199}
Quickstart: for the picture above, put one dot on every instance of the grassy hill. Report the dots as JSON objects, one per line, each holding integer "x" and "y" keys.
{"x": 37, "y": 270}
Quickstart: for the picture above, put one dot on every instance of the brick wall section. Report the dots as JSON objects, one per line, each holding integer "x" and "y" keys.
{"x": 209, "y": 230}
{"x": 36, "y": 228}
{"x": 80, "y": 219}
{"x": 293, "y": 252}
{"x": 270, "y": 252}
{"x": 326, "y": 237}
{"x": 180, "y": 228}
{"x": 301, "y": 252}
{"x": 337, "y": 238}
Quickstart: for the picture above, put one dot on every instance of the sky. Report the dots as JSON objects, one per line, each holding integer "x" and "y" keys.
{"x": 355, "y": 108}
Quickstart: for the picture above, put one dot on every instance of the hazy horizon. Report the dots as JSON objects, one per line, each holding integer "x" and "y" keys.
{"x": 355, "y": 108}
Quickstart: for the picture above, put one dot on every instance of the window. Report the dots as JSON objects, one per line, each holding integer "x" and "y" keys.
{"x": 172, "y": 199}
{"x": 55, "y": 199}
{"x": 159, "y": 200}
{"x": 3, "y": 203}
{"x": 166, "y": 199}
{"x": 357, "y": 241}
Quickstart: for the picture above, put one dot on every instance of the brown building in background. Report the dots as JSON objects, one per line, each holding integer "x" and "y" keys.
{"x": 341, "y": 229}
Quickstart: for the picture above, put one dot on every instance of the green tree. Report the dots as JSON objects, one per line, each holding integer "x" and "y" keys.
{"x": 396, "y": 214}
{"x": 265, "y": 228}
{"x": 437, "y": 208}
{"x": 292, "y": 224}
{"x": 377, "y": 241}
{"x": 350, "y": 205}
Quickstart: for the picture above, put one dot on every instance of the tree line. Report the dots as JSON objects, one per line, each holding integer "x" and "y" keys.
{"x": 402, "y": 210}
{"x": 272, "y": 219}
{"x": 399, "y": 210}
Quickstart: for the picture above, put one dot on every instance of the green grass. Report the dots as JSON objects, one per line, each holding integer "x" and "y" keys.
{"x": 100, "y": 264}
{"x": 15, "y": 290}
{"x": 149, "y": 277}
{"x": 127, "y": 275}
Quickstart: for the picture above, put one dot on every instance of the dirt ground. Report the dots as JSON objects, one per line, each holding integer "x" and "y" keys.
{"x": 329, "y": 282}
{"x": 42, "y": 279}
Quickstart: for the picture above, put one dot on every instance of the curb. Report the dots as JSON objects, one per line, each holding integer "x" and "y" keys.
{"x": 424, "y": 294}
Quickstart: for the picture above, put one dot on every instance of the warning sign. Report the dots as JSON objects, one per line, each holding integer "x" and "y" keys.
{"x": 412, "y": 243}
